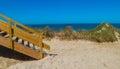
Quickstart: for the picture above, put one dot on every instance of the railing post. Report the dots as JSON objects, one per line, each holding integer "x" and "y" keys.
{"x": 15, "y": 25}
{"x": 10, "y": 34}
{"x": 41, "y": 47}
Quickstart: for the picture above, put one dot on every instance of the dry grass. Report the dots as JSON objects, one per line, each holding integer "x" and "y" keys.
{"x": 102, "y": 33}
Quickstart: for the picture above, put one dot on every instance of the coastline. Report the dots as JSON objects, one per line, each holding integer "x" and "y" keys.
{"x": 76, "y": 27}
{"x": 75, "y": 49}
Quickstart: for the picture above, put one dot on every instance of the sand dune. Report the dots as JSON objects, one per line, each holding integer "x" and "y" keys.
{"x": 79, "y": 54}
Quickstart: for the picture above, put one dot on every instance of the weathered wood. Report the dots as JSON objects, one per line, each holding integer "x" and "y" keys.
{"x": 25, "y": 37}
{"x": 10, "y": 34}
{"x": 18, "y": 32}
{"x": 6, "y": 36}
{"x": 27, "y": 28}
{"x": 46, "y": 46}
{"x": 14, "y": 38}
{"x": 20, "y": 48}
{"x": 25, "y": 43}
{"x": 37, "y": 48}
{"x": 3, "y": 27}
{"x": 2, "y": 32}
{"x": 20, "y": 41}
{"x": 31, "y": 45}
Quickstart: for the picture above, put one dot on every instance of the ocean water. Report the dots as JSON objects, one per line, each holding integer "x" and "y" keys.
{"x": 56, "y": 27}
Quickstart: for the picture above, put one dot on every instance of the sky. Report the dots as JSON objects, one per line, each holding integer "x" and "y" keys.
{"x": 61, "y": 11}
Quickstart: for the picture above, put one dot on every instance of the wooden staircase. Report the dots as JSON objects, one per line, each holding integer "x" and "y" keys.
{"x": 20, "y": 38}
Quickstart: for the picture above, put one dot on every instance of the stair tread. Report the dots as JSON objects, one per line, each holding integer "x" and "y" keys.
{"x": 2, "y": 32}
{"x": 14, "y": 38}
{"x": 6, "y": 36}
{"x": 26, "y": 43}
{"x": 18, "y": 47}
{"x": 20, "y": 41}
{"x": 23, "y": 41}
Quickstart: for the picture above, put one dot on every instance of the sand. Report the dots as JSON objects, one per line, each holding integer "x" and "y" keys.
{"x": 75, "y": 54}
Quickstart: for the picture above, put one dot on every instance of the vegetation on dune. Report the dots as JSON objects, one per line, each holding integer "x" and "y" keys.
{"x": 104, "y": 32}
{"x": 48, "y": 32}
{"x": 67, "y": 33}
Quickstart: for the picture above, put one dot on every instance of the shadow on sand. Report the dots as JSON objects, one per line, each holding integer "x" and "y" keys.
{"x": 8, "y": 53}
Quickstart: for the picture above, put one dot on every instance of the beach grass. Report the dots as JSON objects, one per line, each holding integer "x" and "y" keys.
{"x": 104, "y": 32}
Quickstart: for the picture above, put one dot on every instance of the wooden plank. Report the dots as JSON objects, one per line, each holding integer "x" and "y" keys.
{"x": 46, "y": 46}
{"x": 27, "y": 51}
{"x": 25, "y": 27}
{"x": 23, "y": 34}
{"x": 4, "y": 17}
{"x": 30, "y": 37}
{"x": 26, "y": 36}
{"x": 3, "y": 22}
{"x": 20, "y": 48}
{"x": 3, "y": 27}
{"x": 10, "y": 35}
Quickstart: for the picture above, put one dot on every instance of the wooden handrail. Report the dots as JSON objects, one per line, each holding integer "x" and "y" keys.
{"x": 37, "y": 41}
{"x": 26, "y": 36}
{"x": 14, "y": 28}
{"x": 4, "y": 27}
{"x": 23, "y": 26}
{"x": 8, "y": 28}
{"x": 10, "y": 34}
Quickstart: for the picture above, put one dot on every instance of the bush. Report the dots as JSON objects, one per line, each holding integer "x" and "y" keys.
{"x": 68, "y": 32}
{"x": 48, "y": 32}
{"x": 104, "y": 33}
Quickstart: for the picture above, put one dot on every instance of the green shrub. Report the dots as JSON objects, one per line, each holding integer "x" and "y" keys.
{"x": 104, "y": 33}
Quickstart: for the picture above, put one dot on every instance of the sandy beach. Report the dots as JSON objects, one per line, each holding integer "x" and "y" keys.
{"x": 77, "y": 54}
{"x": 59, "y": 34}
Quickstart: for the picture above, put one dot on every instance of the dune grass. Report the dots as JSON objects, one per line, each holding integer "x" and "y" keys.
{"x": 104, "y": 32}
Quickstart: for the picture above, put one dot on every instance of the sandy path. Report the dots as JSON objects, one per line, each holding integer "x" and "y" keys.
{"x": 77, "y": 55}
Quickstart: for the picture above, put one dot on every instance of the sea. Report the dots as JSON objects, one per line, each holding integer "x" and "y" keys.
{"x": 77, "y": 27}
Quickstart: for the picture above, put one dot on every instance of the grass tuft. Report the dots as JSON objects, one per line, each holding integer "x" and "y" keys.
{"x": 104, "y": 32}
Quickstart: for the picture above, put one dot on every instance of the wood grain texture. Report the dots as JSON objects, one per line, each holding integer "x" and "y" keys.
{"x": 20, "y": 48}
{"x": 25, "y": 33}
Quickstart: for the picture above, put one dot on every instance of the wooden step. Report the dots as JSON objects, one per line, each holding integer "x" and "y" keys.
{"x": 20, "y": 48}
{"x": 31, "y": 46}
{"x": 37, "y": 48}
{"x": 14, "y": 38}
{"x": 20, "y": 41}
{"x": 2, "y": 32}
{"x": 25, "y": 43}
{"x": 25, "y": 40}
{"x": 6, "y": 36}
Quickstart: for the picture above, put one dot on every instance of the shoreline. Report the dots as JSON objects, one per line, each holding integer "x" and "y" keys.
{"x": 77, "y": 27}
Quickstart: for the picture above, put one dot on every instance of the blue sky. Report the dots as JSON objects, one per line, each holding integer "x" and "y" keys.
{"x": 61, "y": 11}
